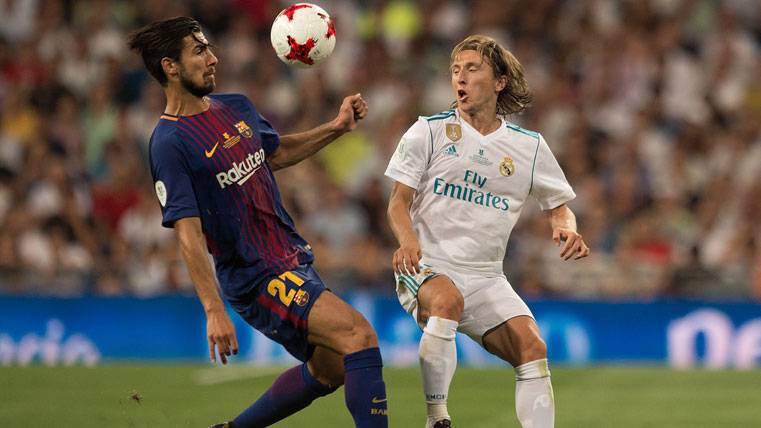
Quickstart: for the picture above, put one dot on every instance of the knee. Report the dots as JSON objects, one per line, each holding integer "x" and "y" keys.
{"x": 360, "y": 335}
{"x": 447, "y": 305}
{"x": 534, "y": 350}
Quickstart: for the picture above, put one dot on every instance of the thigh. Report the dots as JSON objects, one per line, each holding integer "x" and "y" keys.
{"x": 511, "y": 338}
{"x": 489, "y": 302}
{"x": 416, "y": 293}
{"x": 280, "y": 308}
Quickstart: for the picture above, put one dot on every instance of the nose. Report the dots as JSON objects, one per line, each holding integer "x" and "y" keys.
{"x": 212, "y": 59}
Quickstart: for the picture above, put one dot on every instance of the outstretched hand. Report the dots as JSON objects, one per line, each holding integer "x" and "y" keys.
{"x": 574, "y": 245}
{"x": 353, "y": 109}
{"x": 221, "y": 334}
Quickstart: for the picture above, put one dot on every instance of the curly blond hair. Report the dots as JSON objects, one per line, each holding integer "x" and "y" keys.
{"x": 516, "y": 95}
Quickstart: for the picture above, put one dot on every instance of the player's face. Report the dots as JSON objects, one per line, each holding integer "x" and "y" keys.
{"x": 475, "y": 87}
{"x": 197, "y": 66}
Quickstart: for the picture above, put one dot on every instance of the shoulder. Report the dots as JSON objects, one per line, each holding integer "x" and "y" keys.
{"x": 165, "y": 132}
{"x": 235, "y": 101}
{"x": 430, "y": 124}
{"x": 164, "y": 138}
{"x": 532, "y": 135}
{"x": 440, "y": 116}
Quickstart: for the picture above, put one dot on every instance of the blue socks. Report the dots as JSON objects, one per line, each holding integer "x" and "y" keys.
{"x": 365, "y": 391}
{"x": 295, "y": 389}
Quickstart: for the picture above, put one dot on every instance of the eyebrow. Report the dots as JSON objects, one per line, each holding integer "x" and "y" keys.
{"x": 469, "y": 63}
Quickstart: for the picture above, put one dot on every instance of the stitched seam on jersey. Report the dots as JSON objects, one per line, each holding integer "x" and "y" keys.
{"x": 533, "y": 166}
{"x": 521, "y": 130}
{"x": 441, "y": 113}
{"x": 439, "y": 116}
{"x": 430, "y": 131}
{"x": 432, "y": 118}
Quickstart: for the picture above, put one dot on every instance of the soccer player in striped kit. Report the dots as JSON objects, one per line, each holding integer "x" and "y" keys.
{"x": 212, "y": 158}
{"x": 461, "y": 178}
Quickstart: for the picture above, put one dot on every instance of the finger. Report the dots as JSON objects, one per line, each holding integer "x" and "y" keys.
{"x": 574, "y": 249}
{"x": 227, "y": 348}
{"x": 222, "y": 358}
{"x": 415, "y": 262}
{"x": 212, "y": 356}
{"x": 568, "y": 244}
{"x": 556, "y": 236}
{"x": 583, "y": 253}
{"x": 406, "y": 265}
{"x": 222, "y": 346}
{"x": 234, "y": 343}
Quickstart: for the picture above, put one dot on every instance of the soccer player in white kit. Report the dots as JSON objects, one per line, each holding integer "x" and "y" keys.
{"x": 461, "y": 179}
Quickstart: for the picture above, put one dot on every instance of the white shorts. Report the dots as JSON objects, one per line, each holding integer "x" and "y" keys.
{"x": 489, "y": 299}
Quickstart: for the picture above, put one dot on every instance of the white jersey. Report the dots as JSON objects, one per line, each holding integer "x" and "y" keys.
{"x": 470, "y": 188}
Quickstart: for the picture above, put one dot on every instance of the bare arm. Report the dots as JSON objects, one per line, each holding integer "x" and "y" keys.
{"x": 296, "y": 147}
{"x": 563, "y": 223}
{"x": 408, "y": 255}
{"x": 219, "y": 327}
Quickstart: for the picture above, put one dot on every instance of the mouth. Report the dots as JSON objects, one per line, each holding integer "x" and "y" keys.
{"x": 462, "y": 96}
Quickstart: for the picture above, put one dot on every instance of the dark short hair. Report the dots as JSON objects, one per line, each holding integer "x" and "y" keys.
{"x": 162, "y": 39}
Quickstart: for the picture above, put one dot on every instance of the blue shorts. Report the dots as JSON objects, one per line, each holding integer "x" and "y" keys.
{"x": 279, "y": 308}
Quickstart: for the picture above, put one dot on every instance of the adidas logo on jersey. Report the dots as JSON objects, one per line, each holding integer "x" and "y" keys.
{"x": 241, "y": 171}
{"x": 451, "y": 151}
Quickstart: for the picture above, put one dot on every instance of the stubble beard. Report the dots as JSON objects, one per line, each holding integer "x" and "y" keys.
{"x": 196, "y": 90}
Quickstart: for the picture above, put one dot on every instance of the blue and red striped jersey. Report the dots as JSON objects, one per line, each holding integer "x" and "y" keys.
{"x": 213, "y": 165}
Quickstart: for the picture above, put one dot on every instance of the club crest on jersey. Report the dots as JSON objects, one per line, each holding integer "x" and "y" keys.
{"x": 454, "y": 132}
{"x": 507, "y": 167}
{"x": 301, "y": 298}
{"x": 244, "y": 129}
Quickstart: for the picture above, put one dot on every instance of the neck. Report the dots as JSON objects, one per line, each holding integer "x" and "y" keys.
{"x": 484, "y": 122}
{"x": 180, "y": 102}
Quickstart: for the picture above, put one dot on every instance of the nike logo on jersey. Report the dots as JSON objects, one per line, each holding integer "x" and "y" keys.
{"x": 209, "y": 154}
{"x": 377, "y": 400}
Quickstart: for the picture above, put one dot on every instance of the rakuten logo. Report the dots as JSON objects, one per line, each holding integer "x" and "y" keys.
{"x": 241, "y": 171}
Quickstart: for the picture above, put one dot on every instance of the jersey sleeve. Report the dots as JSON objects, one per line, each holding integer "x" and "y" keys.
{"x": 270, "y": 137}
{"x": 412, "y": 155}
{"x": 549, "y": 185}
{"x": 171, "y": 177}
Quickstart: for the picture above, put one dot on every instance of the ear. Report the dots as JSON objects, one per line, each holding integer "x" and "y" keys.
{"x": 501, "y": 83}
{"x": 170, "y": 67}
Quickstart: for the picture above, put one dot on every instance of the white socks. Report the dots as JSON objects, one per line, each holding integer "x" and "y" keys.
{"x": 534, "y": 401}
{"x": 438, "y": 360}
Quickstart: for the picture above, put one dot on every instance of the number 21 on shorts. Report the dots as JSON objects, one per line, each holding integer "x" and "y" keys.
{"x": 285, "y": 288}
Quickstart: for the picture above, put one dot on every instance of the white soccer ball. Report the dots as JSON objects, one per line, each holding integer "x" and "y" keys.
{"x": 303, "y": 35}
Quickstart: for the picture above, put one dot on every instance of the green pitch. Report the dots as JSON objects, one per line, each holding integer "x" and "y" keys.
{"x": 192, "y": 396}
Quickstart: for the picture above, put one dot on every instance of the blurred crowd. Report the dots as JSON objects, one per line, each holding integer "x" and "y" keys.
{"x": 652, "y": 107}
